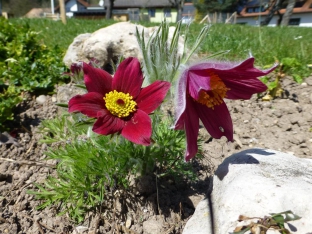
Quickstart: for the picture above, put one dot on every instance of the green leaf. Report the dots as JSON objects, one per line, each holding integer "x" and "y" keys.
{"x": 62, "y": 105}
{"x": 297, "y": 78}
{"x": 264, "y": 79}
{"x": 278, "y": 219}
{"x": 242, "y": 231}
{"x": 272, "y": 85}
{"x": 81, "y": 86}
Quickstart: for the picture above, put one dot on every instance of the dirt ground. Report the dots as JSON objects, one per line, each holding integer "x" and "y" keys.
{"x": 284, "y": 124}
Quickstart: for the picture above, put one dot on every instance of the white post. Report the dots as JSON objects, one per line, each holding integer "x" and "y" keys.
{"x": 52, "y": 6}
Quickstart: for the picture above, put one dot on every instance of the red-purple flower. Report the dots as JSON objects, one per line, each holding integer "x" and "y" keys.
{"x": 119, "y": 104}
{"x": 76, "y": 68}
{"x": 200, "y": 93}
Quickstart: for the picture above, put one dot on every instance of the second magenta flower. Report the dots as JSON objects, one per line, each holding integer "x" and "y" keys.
{"x": 200, "y": 93}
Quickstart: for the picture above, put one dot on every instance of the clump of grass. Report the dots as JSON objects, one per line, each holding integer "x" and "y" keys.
{"x": 266, "y": 43}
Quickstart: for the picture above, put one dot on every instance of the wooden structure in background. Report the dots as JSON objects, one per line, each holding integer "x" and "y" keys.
{"x": 62, "y": 11}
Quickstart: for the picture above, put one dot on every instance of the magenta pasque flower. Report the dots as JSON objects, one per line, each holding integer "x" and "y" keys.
{"x": 119, "y": 104}
{"x": 200, "y": 93}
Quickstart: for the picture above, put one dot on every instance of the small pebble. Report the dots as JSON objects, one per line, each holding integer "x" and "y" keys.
{"x": 128, "y": 222}
{"x": 41, "y": 99}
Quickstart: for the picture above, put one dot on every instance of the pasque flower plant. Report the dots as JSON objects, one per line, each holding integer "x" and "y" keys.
{"x": 200, "y": 93}
{"x": 119, "y": 104}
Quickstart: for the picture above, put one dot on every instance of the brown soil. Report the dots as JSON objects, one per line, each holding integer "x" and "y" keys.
{"x": 283, "y": 124}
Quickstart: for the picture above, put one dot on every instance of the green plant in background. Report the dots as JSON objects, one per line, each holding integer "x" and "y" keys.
{"x": 25, "y": 61}
{"x": 274, "y": 222}
{"x": 9, "y": 98}
{"x": 289, "y": 66}
{"x": 26, "y": 65}
{"x": 294, "y": 68}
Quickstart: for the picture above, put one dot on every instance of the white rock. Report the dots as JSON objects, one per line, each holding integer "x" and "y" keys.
{"x": 195, "y": 199}
{"x": 255, "y": 183}
{"x": 41, "y": 99}
{"x": 80, "y": 230}
{"x": 73, "y": 53}
{"x": 153, "y": 225}
{"x": 110, "y": 43}
{"x": 258, "y": 182}
{"x": 128, "y": 222}
{"x": 200, "y": 223}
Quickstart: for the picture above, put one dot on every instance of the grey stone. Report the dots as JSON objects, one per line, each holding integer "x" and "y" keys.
{"x": 255, "y": 183}
{"x": 65, "y": 93}
{"x": 110, "y": 43}
{"x": 200, "y": 223}
{"x": 73, "y": 53}
{"x": 41, "y": 99}
{"x": 154, "y": 225}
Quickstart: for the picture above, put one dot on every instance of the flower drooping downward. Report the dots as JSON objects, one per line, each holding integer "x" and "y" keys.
{"x": 200, "y": 93}
{"x": 119, "y": 104}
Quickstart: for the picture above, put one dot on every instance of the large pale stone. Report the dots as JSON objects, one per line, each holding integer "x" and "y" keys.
{"x": 200, "y": 221}
{"x": 109, "y": 43}
{"x": 153, "y": 225}
{"x": 74, "y": 52}
{"x": 258, "y": 182}
{"x": 65, "y": 93}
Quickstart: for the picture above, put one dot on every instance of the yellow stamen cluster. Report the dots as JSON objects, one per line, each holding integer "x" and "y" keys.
{"x": 214, "y": 96}
{"x": 119, "y": 104}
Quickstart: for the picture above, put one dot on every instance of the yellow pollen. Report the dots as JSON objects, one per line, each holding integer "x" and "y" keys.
{"x": 119, "y": 104}
{"x": 214, "y": 96}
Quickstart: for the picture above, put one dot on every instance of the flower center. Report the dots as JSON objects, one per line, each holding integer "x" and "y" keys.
{"x": 119, "y": 104}
{"x": 214, "y": 96}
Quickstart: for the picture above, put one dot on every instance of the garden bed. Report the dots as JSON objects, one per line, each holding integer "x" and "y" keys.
{"x": 163, "y": 205}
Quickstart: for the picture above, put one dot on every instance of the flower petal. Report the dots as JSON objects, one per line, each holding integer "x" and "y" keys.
{"x": 244, "y": 89}
{"x": 241, "y": 70}
{"x": 152, "y": 96}
{"x": 198, "y": 80}
{"x": 96, "y": 79}
{"x": 88, "y": 104}
{"x": 191, "y": 125}
{"x": 241, "y": 78}
{"x": 76, "y": 68}
{"x": 217, "y": 121}
{"x": 107, "y": 123}
{"x": 246, "y": 69}
{"x": 138, "y": 129}
{"x": 180, "y": 101}
{"x": 215, "y": 65}
{"x": 179, "y": 123}
{"x": 128, "y": 77}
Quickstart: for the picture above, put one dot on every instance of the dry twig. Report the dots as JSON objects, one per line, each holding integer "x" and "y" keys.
{"x": 31, "y": 163}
